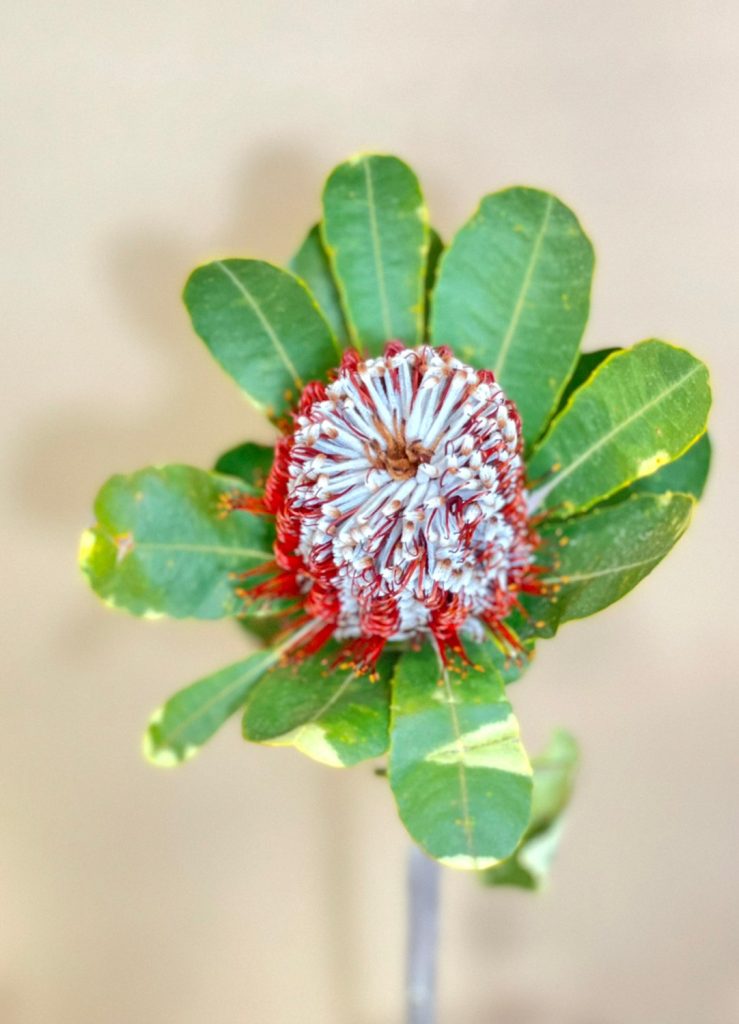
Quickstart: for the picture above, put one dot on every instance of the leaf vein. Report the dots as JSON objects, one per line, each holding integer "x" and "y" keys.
{"x": 201, "y": 549}
{"x": 336, "y": 696}
{"x": 377, "y": 252}
{"x": 266, "y": 325}
{"x": 541, "y": 493}
{"x": 459, "y": 742}
{"x": 525, "y": 285}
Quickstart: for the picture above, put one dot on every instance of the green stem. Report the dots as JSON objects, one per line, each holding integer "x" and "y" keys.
{"x": 423, "y": 934}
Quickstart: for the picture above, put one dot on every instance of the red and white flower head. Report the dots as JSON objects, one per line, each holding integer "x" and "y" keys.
{"x": 400, "y": 503}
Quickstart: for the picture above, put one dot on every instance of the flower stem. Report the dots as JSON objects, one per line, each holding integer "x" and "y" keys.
{"x": 423, "y": 934}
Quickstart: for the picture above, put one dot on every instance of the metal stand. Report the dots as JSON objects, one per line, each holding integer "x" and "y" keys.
{"x": 423, "y": 935}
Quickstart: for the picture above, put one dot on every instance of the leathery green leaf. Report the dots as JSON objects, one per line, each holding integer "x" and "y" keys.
{"x": 554, "y": 776}
{"x": 265, "y": 619}
{"x": 263, "y": 326}
{"x": 511, "y": 669}
{"x": 594, "y": 559}
{"x": 375, "y": 230}
{"x": 513, "y": 295}
{"x": 249, "y": 462}
{"x": 686, "y": 475}
{"x": 586, "y": 365}
{"x": 311, "y": 265}
{"x": 324, "y": 708}
{"x": 640, "y": 409}
{"x": 178, "y": 729}
{"x": 457, "y": 768}
{"x": 163, "y": 545}
{"x": 436, "y": 248}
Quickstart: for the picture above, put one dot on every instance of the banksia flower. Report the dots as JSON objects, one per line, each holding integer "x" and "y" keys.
{"x": 400, "y": 504}
{"x": 452, "y": 481}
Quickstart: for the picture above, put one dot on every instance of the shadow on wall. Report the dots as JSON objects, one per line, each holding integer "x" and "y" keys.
{"x": 69, "y": 451}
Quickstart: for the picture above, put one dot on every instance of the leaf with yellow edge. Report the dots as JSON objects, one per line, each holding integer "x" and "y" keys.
{"x": 375, "y": 230}
{"x": 178, "y": 729}
{"x": 639, "y": 410}
{"x": 458, "y": 770}
{"x": 323, "y": 707}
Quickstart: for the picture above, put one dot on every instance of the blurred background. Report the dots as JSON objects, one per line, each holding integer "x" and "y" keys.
{"x": 252, "y": 884}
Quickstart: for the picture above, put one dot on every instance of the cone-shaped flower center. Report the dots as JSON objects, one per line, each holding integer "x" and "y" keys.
{"x": 400, "y": 500}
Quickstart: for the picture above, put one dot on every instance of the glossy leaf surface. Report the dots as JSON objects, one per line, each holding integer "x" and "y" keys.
{"x": 324, "y": 709}
{"x": 311, "y": 265}
{"x": 249, "y": 462}
{"x": 264, "y": 328}
{"x": 457, "y": 768}
{"x": 640, "y": 409}
{"x": 686, "y": 475}
{"x": 513, "y": 295}
{"x": 587, "y": 364}
{"x": 595, "y": 559}
{"x": 180, "y": 727}
{"x": 436, "y": 249}
{"x": 162, "y": 545}
{"x": 554, "y": 775}
{"x": 375, "y": 230}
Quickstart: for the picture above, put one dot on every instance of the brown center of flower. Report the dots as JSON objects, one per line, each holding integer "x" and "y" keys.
{"x": 398, "y": 456}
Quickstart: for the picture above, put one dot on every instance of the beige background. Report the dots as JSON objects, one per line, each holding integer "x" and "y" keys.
{"x": 252, "y": 885}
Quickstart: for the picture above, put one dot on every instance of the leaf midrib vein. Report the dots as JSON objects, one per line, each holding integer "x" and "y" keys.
{"x": 557, "y": 479}
{"x": 584, "y": 577}
{"x": 336, "y": 696}
{"x": 259, "y": 667}
{"x": 377, "y": 252}
{"x": 266, "y": 325}
{"x": 459, "y": 742}
{"x": 200, "y": 549}
{"x": 203, "y": 709}
{"x": 525, "y": 285}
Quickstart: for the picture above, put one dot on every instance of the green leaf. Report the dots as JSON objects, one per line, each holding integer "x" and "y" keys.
{"x": 642, "y": 408}
{"x": 180, "y": 727}
{"x": 511, "y": 669}
{"x": 375, "y": 230}
{"x": 264, "y": 328}
{"x": 323, "y": 708}
{"x": 311, "y": 265}
{"x": 594, "y": 559}
{"x": 457, "y": 768}
{"x": 587, "y": 363}
{"x": 686, "y": 475}
{"x": 162, "y": 544}
{"x": 554, "y": 776}
{"x": 513, "y": 296}
{"x": 249, "y": 462}
{"x": 263, "y": 620}
{"x": 436, "y": 249}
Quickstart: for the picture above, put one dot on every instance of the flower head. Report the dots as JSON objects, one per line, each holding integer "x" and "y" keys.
{"x": 400, "y": 503}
